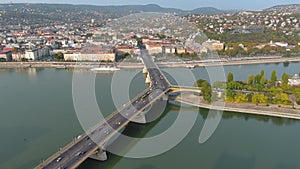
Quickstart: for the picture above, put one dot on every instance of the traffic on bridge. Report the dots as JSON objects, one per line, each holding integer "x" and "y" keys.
{"x": 94, "y": 140}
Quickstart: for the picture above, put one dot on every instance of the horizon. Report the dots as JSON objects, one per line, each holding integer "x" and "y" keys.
{"x": 165, "y": 4}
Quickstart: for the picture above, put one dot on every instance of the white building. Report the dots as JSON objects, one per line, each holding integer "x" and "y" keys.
{"x": 31, "y": 54}
{"x": 89, "y": 57}
{"x": 213, "y": 45}
{"x": 154, "y": 48}
{"x": 36, "y": 54}
{"x": 295, "y": 81}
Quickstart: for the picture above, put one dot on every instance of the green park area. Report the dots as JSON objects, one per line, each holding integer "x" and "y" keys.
{"x": 258, "y": 89}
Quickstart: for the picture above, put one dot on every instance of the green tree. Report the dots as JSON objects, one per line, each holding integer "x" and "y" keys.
{"x": 275, "y": 90}
{"x": 206, "y": 90}
{"x": 219, "y": 84}
{"x": 229, "y": 96}
{"x": 229, "y": 77}
{"x": 287, "y": 54}
{"x": 241, "y": 98}
{"x": 199, "y": 83}
{"x": 58, "y": 56}
{"x": 273, "y": 77}
{"x": 285, "y": 78}
{"x": 282, "y": 98}
{"x": 262, "y": 77}
{"x": 234, "y": 86}
{"x": 251, "y": 79}
{"x": 258, "y": 98}
{"x": 257, "y": 79}
{"x": 253, "y": 51}
{"x": 161, "y": 36}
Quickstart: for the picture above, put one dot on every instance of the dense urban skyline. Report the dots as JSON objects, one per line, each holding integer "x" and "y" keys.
{"x": 229, "y": 4}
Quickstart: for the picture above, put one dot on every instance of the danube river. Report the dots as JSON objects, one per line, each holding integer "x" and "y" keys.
{"x": 38, "y": 117}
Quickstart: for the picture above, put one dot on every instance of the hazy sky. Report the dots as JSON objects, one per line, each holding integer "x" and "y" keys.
{"x": 182, "y": 4}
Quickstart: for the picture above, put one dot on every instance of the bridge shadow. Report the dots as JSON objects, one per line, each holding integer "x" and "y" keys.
{"x": 227, "y": 161}
{"x": 132, "y": 130}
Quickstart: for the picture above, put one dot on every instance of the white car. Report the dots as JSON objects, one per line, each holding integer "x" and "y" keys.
{"x": 58, "y": 159}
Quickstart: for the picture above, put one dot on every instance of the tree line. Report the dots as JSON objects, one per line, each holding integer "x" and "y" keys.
{"x": 256, "y": 89}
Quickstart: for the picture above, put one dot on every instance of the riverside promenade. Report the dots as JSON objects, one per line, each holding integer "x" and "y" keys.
{"x": 163, "y": 64}
{"x": 273, "y": 110}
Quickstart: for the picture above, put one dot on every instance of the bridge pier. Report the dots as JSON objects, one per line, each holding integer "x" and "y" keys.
{"x": 165, "y": 97}
{"x": 153, "y": 113}
{"x": 148, "y": 79}
{"x": 145, "y": 70}
{"x": 100, "y": 155}
{"x": 140, "y": 118}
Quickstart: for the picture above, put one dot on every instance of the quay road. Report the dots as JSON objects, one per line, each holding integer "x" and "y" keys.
{"x": 87, "y": 144}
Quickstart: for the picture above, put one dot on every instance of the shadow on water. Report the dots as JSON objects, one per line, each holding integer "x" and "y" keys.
{"x": 226, "y": 161}
{"x": 286, "y": 64}
{"x": 134, "y": 130}
{"x": 278, "y": 121}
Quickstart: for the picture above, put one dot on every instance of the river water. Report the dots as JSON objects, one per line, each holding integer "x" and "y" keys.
{"x": 38, "y": 117}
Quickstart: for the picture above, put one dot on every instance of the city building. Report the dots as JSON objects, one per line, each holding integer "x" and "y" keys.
{"x": 168, "y": 49}
{"x": 154, "y": 48}
{"x": 249, "y": 29}
{"x": 125, "y": 49}
{"x": 213, "y": 45}
{"x": 35, "y": 54}
{"x": 18, "y": 56}
{"x": 294, "y": 81}
{"x": 89, "y": 57}
{"x": 6, "y": 55}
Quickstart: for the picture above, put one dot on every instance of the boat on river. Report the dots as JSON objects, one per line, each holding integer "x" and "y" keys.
{"x": 106, "y": 68}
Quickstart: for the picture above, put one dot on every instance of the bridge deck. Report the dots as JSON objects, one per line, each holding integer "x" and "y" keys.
{"x": 80, "y": 149}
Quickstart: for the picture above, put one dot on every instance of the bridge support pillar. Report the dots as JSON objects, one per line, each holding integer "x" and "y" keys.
{"x": 100, "y": 155}
{"x": 140, "y": 118}
{"x": 148, "y": 79}
{"x": 165, "y": 97}
{"x": 145, "y": 70}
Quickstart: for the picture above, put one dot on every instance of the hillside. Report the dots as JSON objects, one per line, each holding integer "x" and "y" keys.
{"x": 28, "y": 14}
{"x": 294, "y": 8}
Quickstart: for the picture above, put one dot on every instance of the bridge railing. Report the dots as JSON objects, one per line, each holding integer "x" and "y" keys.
{"x": 186, "y": 87}
{"x": 120, "y": 127}
{"x": 61, "y": 150}
{"x": 90, "y": 130}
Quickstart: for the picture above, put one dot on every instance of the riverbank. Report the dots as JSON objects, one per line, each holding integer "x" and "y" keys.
{"x": 163, "y": 64}
{"x": 248, "y": 108}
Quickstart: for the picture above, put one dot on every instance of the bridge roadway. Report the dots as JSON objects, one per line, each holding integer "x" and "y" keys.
{"x": 82, "y": 148}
